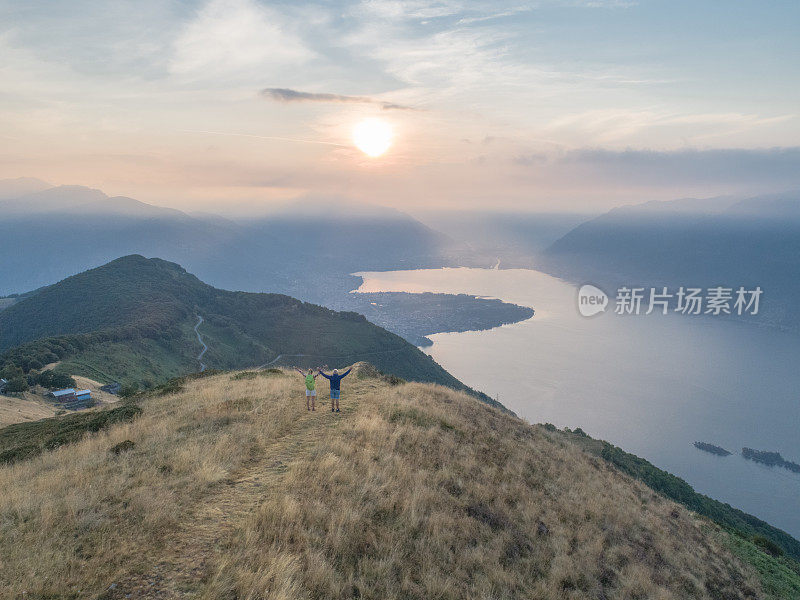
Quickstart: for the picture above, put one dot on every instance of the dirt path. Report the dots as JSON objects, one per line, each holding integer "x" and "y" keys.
{"x": 200, "y": 339}
{"x": 199, "y": 540}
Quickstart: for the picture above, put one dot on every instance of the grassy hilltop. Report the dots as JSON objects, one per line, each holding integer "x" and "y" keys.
{"x": 229, "y": 488}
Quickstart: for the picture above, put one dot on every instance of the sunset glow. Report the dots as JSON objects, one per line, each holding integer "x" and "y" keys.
{"x": 373, "y": 137}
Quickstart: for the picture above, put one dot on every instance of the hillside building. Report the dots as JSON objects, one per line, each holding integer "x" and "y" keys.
{"x": 67, "y": 395}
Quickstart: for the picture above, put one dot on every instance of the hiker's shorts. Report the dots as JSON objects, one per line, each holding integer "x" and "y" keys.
{"x": 311, "y": 392}
{"x": 335, "y": 394}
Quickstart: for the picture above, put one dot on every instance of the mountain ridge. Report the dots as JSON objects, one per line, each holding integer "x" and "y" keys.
{"x": 132, "y": 320}
{"x": 302, "y": 250}
{"x": 752, "y": 242}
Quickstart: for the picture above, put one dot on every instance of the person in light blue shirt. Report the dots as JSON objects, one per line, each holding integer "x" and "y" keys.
{"x": 335, "y": 380}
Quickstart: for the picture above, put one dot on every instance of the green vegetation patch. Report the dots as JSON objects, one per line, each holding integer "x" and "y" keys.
{"x": 254, "y": 374}
{"x": 679, "y": 490}
{"x": 18, "y": 381}
{"x": 26, "y": 440}
{"x": 176, "y": 384}
{"x": 675, "y": 488}
{"x": 143, "y": 362}
{"x": 780, "y": 577}
{"x": 244, "y": 375}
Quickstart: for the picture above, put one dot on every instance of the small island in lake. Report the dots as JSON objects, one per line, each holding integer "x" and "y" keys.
{"x": 711, "y": 448}
{"x": 771, "y": 459}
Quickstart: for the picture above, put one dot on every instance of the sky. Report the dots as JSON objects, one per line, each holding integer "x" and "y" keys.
{"x": 234, "y": 106}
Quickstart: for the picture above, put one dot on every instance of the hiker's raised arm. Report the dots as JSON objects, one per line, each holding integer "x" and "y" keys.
{"x": 347, "y": 372}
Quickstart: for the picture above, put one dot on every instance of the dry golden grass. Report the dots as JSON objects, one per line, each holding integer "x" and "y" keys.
{"x": 234, "y": 490}
{"x": 32, "y": 405}
{"x": 22, "y": 408}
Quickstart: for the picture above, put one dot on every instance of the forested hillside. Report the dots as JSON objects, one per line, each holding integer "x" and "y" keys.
{"x": 132, "y": 320}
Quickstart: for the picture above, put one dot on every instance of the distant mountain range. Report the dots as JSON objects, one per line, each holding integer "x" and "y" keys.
{"x": 704, "y": 243}
{"x": 133, "y": 320}
{"x": 309, "y": 250}
{"x": 48, "y": 233}
{"x": 306, "y": 250}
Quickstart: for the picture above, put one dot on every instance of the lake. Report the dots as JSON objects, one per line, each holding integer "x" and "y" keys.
{"x": 651, "y": 385}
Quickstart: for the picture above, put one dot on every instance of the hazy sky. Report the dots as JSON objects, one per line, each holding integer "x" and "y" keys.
{"x": 535, "y": 105}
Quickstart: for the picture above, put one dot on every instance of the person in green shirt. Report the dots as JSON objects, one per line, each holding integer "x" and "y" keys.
{"x": 311, "y": 388}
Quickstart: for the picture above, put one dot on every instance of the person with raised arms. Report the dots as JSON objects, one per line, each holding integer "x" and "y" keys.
{"x": 311, "y": 389}
{"x": 335, "y": 380}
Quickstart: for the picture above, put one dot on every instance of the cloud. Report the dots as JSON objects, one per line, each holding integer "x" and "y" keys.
{"x": 287, "y": 95}
{"x": 764, "y": 168}
{"x": 409, "y": 9}
{"x": 237, "y": 38}
{"x": 607, "y": 126}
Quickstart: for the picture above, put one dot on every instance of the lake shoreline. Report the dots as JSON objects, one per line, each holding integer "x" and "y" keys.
{"x": 650, "y": 385}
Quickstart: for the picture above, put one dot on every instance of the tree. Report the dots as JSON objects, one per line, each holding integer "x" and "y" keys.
{"x": 128, "y": 390}
{"x": 16, "y": 385}
{"x": 11, "y": 371}
{"x": 51, "y": 379}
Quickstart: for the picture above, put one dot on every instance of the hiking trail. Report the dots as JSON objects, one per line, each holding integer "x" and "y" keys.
{"x": 199, "y": 543}
{"x": 200, "y": 339}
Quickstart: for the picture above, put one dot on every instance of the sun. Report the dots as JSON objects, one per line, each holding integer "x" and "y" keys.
{"x": 373, "y": 136}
